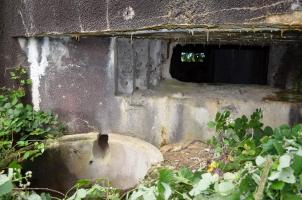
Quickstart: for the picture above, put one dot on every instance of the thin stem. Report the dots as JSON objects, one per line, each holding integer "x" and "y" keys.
{"x": 43, "y": 189}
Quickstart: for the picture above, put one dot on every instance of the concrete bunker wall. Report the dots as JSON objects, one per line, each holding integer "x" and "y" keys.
{"x": 123, "y": 85}
{"x": 113, "y": 17}
{"x": 116, "y": 84}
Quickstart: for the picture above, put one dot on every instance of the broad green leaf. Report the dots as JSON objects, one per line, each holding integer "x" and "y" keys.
{"x": 260, "y": 161}
{"x": 287, "y": 175}
{"x": 278, "y": 147}
{"x": 224, "y": 188}
{"x": 95, "y": 192}
{"x": 229, "y": 176}
{"x": 274, "y": 176}
{"x": 14, "y": 165}
{"x": 211, "y": 124}
{"x": 34, "y": 196}
{"x": 184, "y": 175}
{"x": 284, "y": 161}
{"x": 26, "y": 155}
{"x": 83, "y": 182}
{"x": 268, "y": 131}
{"x": 167, "y": 191}
{"x": 78, "y": 195}
{"x": 45, "y": 196}
{"x": 166, "y": 175}
{"x": 205, "y": 182}
{"x": 6, "y": 185}
{"x": 290, "y": 196}
{"x": 278, "y": 185}
{"x": 297, "y": 164}
{"x": 144, "y": 192}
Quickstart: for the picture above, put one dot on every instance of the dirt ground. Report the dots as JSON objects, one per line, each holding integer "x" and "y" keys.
{"x": 193, "y": 155}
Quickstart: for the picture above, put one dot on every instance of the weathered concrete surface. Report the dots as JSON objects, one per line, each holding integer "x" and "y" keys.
{"x": 247, "y": 20}
{"x": 85, "y": 83}
{"x": 44, "y": 16}
{"x": 88, "y": 81}
{"x": 75, "y": 157}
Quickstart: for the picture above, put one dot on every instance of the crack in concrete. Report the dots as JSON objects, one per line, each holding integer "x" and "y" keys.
{"x": 252, "y": 8}
{"x": 23, "y": 22}
{"x": 107, "y": 14}
{"x": 79, "y": 17}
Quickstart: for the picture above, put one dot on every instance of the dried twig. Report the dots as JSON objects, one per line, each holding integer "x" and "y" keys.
{"x": 263, "y": 179}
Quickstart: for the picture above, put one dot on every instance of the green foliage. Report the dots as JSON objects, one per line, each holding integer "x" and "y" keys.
{"x": 192, "y": 57}
{"x": 251, "y": 162}
{"x": 22, "y": 129}
{"x": 83, "y": 189}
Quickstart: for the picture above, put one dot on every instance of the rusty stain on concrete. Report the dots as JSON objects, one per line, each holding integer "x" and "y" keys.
{"x": 294, "y": 18}
{"x": 164, "y": 136}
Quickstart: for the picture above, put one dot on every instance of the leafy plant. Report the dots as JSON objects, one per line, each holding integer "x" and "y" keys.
{"x": 14, "y": 185}
{"x": 22, "y": 129}
{"x": 251, "y": 162}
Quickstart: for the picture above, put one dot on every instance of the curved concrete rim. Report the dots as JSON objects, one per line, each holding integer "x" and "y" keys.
{"x": 150, "y": 149}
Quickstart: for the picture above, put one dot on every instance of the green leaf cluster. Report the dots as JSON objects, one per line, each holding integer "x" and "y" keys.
{"x": 22, "y": 129}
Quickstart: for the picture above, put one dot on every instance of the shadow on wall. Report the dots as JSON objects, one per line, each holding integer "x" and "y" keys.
{"x": 290, "y": 68}
{"x": 53, "y": 162}
{"x": 295, "y": 115}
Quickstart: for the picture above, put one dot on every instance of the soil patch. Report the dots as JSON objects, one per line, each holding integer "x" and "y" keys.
{"x": 193, "y": 155}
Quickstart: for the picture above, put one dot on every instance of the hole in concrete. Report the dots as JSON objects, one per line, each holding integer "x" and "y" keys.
{"x": 220, "y": 64}
{"x": 124, "y": 164}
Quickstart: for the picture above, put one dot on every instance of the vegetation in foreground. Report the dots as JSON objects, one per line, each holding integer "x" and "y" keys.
{"x": 251, "y": 161}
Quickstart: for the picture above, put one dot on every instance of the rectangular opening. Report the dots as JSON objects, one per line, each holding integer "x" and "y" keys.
{"x": 220, "y": 64}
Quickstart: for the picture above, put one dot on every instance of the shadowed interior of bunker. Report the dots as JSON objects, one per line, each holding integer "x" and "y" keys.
{"x": 220, "y": 64}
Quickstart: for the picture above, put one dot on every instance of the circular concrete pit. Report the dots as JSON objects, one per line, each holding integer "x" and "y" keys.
{"x": 81, "y": 156}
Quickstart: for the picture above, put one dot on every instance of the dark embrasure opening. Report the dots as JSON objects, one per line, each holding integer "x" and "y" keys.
{"x": 220, "y": 64}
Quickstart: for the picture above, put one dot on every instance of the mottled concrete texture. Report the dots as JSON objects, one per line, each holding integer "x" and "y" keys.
{"x": 45, "y": 16}
{"x": 20, "y": 18}
{"x": 104, "y": 65}
{"x": 125, "y": 162}
{"x": 124, "y": 86}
